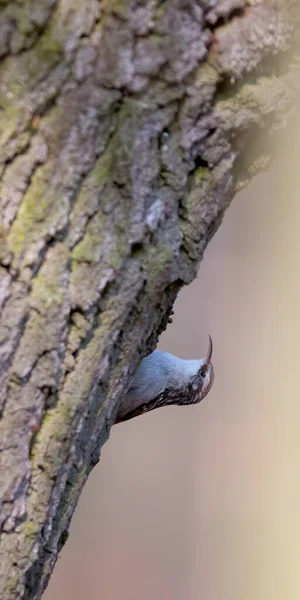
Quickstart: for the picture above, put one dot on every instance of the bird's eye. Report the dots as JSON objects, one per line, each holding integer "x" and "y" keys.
{"x": 203, "y": 373}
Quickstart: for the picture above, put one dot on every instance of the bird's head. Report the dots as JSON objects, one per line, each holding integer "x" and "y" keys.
{"x": 202, "y": 381}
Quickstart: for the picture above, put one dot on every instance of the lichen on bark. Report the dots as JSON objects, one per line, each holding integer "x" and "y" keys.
{"x": 126, "y": 128}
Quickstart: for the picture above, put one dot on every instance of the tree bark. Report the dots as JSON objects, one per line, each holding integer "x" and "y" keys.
{"x": 126, "y": 128}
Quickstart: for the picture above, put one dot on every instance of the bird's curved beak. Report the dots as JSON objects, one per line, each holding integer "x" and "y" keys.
{"x": 207, "y": 359}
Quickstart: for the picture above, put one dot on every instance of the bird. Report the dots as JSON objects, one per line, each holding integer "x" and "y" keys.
{"x": 163, "y": 379}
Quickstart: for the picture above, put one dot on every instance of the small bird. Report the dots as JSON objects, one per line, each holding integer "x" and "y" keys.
{"x": 163, "y": 379}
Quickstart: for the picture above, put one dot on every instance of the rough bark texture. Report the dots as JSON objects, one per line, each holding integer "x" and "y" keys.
{"x": 126, "y": 127}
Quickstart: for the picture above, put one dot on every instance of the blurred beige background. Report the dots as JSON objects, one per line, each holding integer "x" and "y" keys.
{"x": 202, "y": 502}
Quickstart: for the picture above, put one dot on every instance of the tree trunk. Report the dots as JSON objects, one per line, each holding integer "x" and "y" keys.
{"x": 126, "y": 127}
